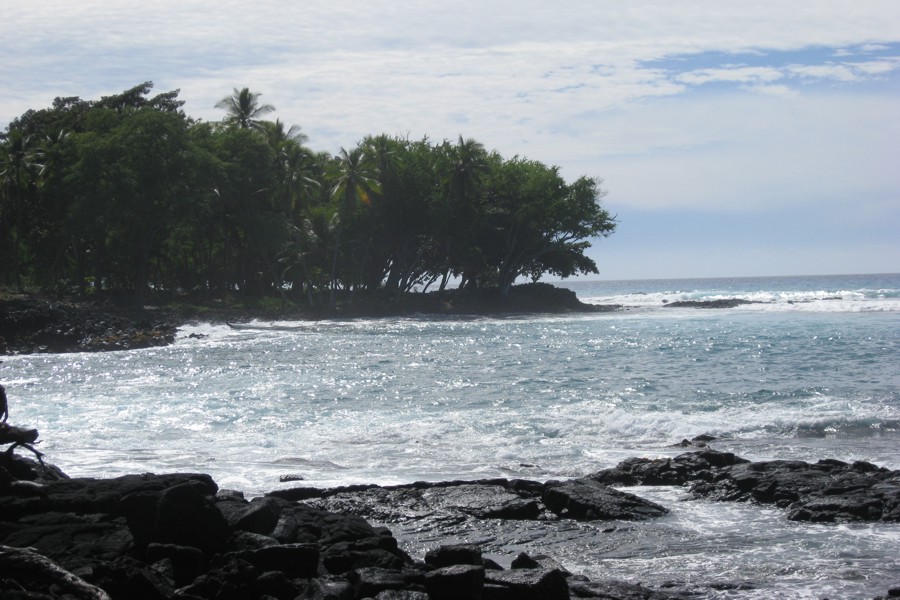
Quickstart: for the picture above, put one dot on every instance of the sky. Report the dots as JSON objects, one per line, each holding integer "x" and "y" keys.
{"x": 733, "y": 138}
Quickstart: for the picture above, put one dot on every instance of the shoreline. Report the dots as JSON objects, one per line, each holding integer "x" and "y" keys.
{"x": 37, "y": 324}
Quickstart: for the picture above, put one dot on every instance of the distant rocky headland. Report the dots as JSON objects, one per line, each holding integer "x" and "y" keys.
{"x": 720, "y": 303}
{"x": 34, "y": 323}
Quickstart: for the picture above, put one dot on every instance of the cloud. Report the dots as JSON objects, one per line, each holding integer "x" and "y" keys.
{"x": 877, "y": 67}
{"x": 874, "y": 47}
{"x": 734, "y": 153}
{"x": 92, "y": 47}
{"x": 725, "y": 107}
{"x": 738, "y": 74}
{"x": 782, "y": 91}
{"x": 837, "y": 72}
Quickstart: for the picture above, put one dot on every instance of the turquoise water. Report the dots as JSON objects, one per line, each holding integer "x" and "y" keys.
{"x": 811, "y": 370}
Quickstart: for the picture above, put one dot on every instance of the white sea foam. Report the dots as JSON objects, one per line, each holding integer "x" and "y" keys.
{"x": 758, "y": 301}
{"x": 842, "y": 294}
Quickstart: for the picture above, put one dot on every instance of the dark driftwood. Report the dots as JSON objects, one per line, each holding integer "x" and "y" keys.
{"x": 4, "y": 405}
{"x": 28, "y": 569}
{"x": 19, "y": 436}
{"x": 10, "y": 434}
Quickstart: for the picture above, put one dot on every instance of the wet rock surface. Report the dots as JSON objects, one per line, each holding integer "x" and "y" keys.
{"x": 589, "y": 500}
{"x": 179, "y": 536}
{"x": 517, "y": 499}
{"x": 826, "y": 491}
{"x": 722, "y": 303}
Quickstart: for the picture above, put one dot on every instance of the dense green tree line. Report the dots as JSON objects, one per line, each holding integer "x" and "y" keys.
{"x": 129, "y": 195}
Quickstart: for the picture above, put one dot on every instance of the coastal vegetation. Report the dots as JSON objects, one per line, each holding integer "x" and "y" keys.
{"x": 129, "y": 197}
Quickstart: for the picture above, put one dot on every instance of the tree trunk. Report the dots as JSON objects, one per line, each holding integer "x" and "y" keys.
{"x": 33, "y": 571}
{"x": 10, "y": 434}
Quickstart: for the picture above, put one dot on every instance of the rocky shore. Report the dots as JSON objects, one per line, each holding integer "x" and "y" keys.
{"x": 180, "y": 536}
{"x": 30, "y": 323}
{"x": 33, "y": 324}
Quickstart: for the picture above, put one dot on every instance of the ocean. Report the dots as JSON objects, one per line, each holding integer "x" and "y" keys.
{"x": 809, "y": 370}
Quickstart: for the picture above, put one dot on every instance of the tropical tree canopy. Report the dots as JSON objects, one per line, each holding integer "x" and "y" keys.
{"x": 128, "y": 195}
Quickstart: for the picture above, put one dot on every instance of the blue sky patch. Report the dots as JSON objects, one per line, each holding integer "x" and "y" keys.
{"x": 812, "y": 55}
{"x": 867, "y": 64}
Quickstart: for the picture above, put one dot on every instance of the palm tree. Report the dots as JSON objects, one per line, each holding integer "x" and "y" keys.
{"x": 467, "y": 165}
{"x": 298, "y": 179}
{"x": 51, "y": 152}
{"x": 353, "y": 180}
{"x": 305, "y": 257}
{"x": 48, "y": 260}
{"x": 384, "y": 152}
{"x": 387, "y": 228}
{"x": 294, "y": 166}
{"x": 279, "y": 136}
{"x": 243, "y": 109}
{"x": 18, "y": 179}
{"x": 18, "y": 163}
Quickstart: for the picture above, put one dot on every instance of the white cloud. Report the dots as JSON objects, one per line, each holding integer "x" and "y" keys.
{"x": 782, "y": 91}
{"x": 94, "y": 47}
{"x": 837, "y": 72}
{"x": 677, "y": 105}
{"x": 878, "y": 67}
{"x": 846, "y": 71}
{"x": 734, "y": 153}
{"x": 874, "y": 47}
{"x": 738, "y": 74}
